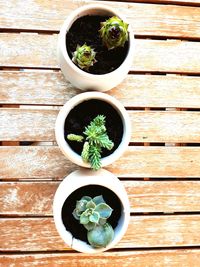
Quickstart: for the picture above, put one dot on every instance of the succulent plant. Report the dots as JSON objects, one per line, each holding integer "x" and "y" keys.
{"x": 93, "y": 214}
{"x": 96, "y": 139}
{"x": 84, "y": 56}
{"x": 114, "y": 32}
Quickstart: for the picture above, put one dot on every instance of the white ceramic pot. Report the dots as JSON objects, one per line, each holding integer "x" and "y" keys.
{"x": 82, "y": 178}
{"x": 74, "y": 101}
{"x": 80, "y": 78}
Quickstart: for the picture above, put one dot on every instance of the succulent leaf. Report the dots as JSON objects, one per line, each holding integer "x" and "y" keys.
{"x": 90, "y": 226}
{"x": 94, "y": 217}
{"x": 86, "y": 198}
{"x": 114, "y": 32}
{"x": 84, "y": 56}
{"x": 98, "y": 199}
{"x": 75, "y": 137}
{"x": 104, "y": 210}
{"x": 100, "y": 236}
{"x": 90, "y": 205}
{"x": 85, "y": 152}
{"x": 75, "y": 214}
{"x": 84, "y": 219}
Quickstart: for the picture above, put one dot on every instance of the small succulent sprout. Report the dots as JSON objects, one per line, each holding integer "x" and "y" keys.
{"x": 114, "y": 32}
{"x": 75, "y": 137}
{"x": 84, "y": 56}
{"x": 96, "y": 138}
{"x": 93, "y": 214}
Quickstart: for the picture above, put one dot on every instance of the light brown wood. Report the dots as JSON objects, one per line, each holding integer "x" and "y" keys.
{"x": 50, "y": 88}
{"x": 160, "y": 20}
{"x": 150, "y": 55}
{"x": 39, "y": 234}
{"x": 147, "y": 126}
{"x": 153, "y": 258}
{"x": 36, "y": 198}
{"x": 137, "y": 161}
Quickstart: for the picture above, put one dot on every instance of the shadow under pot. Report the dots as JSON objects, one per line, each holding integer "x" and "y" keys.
{"x": 91, "y": 210}
{"x": 93, "y": 129}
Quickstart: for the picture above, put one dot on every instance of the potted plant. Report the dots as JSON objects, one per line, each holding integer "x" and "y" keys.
{"x": 95, "y": 47}
{"x": 93, "y": 129}
{"x": 91, "y": 210}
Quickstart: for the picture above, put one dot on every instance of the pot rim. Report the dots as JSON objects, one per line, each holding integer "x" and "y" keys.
{"x": 75, "y": 15}
{"x": 74, "y": 101}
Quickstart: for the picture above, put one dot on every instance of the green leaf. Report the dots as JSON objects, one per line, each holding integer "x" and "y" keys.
{"x": 94, "y": 217}
{"x": 75, "y": 137}
{"x": 76, "y": 216}
{"x": 84, "y": 219}
{"x": 98, "y": 199}
{"x": 104, "y": 210}
{"x": 85, "y": 152}
{"x": 95, "y": 157}
{"x": 81, "y": 205}
{"x": 86, "y": 198}
{"x": 89, "y": 226}
{"x": 102, "y": 221}
{"x": 90, "y": 205}
{"x": 100, "y": 236}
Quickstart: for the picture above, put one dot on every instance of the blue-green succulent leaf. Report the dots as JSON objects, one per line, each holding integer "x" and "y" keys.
{"x": 100, "y": 236}
{"x": 104, "y": 210}
{"x": 90, "y": 205}
{"x": 90, "y": 226}
{"x": 98, "y": 199}
{"x": 94, "y": 217}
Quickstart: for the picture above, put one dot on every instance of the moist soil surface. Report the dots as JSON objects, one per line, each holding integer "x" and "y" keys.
{"x": 81, "y": 116}
{"x": 86, "y": 30}
{"x": 72, "y": 225}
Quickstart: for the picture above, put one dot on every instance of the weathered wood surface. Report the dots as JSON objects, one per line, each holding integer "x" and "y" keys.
{"x": 147, "y": 126}
{"x": 153, "y": 258}
{"x": 137, "y": 161}
{"x": 50, "y": 88}
{"x": 150, "y": 55}
{"x": 39, "y": 234}
{"x": 160, "y": 20}
{"x": 36, "y": 198}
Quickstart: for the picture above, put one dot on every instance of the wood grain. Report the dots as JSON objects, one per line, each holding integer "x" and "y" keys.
{"x": 153, "y": 258}
{"x": 50, "y": 88}
{"x": 39, "y": 234}
{"x": 36, "y": 198}
{"x": 147, "y": 126}
{"x": 160, "y": 20}
{"x": 137, "y": 161}
{"x": 150, "y": 55}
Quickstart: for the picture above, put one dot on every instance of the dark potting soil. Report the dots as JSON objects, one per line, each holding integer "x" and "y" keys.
{"x": 86, "y": 30}
{"x": 72, "y": 225}
{"x": 81, "y": 116}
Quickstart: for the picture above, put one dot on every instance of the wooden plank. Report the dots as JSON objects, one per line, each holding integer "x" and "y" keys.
{"x": 160, "y": 20}
{"x": 147, "y": 126}
{"x": 152, "y": 258}
{"x": 150, "y": 55}
{"x": 36, "y": 198}
{"x": 27, "y": 124}
{"x": 137, "y": 161}
{"x": 50, "y": 88}
{"x": 38, "y": 234}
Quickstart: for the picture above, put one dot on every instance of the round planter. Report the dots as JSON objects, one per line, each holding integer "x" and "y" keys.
{"x": 74, "y": 101}
{"x": 79, "y": 78}
{"x": 78, "y": 179}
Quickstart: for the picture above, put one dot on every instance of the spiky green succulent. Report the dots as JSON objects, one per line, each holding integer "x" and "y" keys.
{"x": 93, "y": 214}
{"x": 114, "y": 32}
{"x": 95, "y": 139}
{"x": 84, "y": 56}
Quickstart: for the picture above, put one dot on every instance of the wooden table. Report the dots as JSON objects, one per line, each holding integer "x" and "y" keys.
{"x": 161, "y": 168}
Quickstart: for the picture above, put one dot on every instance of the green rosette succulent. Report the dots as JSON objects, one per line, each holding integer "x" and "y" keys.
{"x": 93, "y": 214}
{"x": 114, "y": 32}
{"x": 84, "y": 56}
